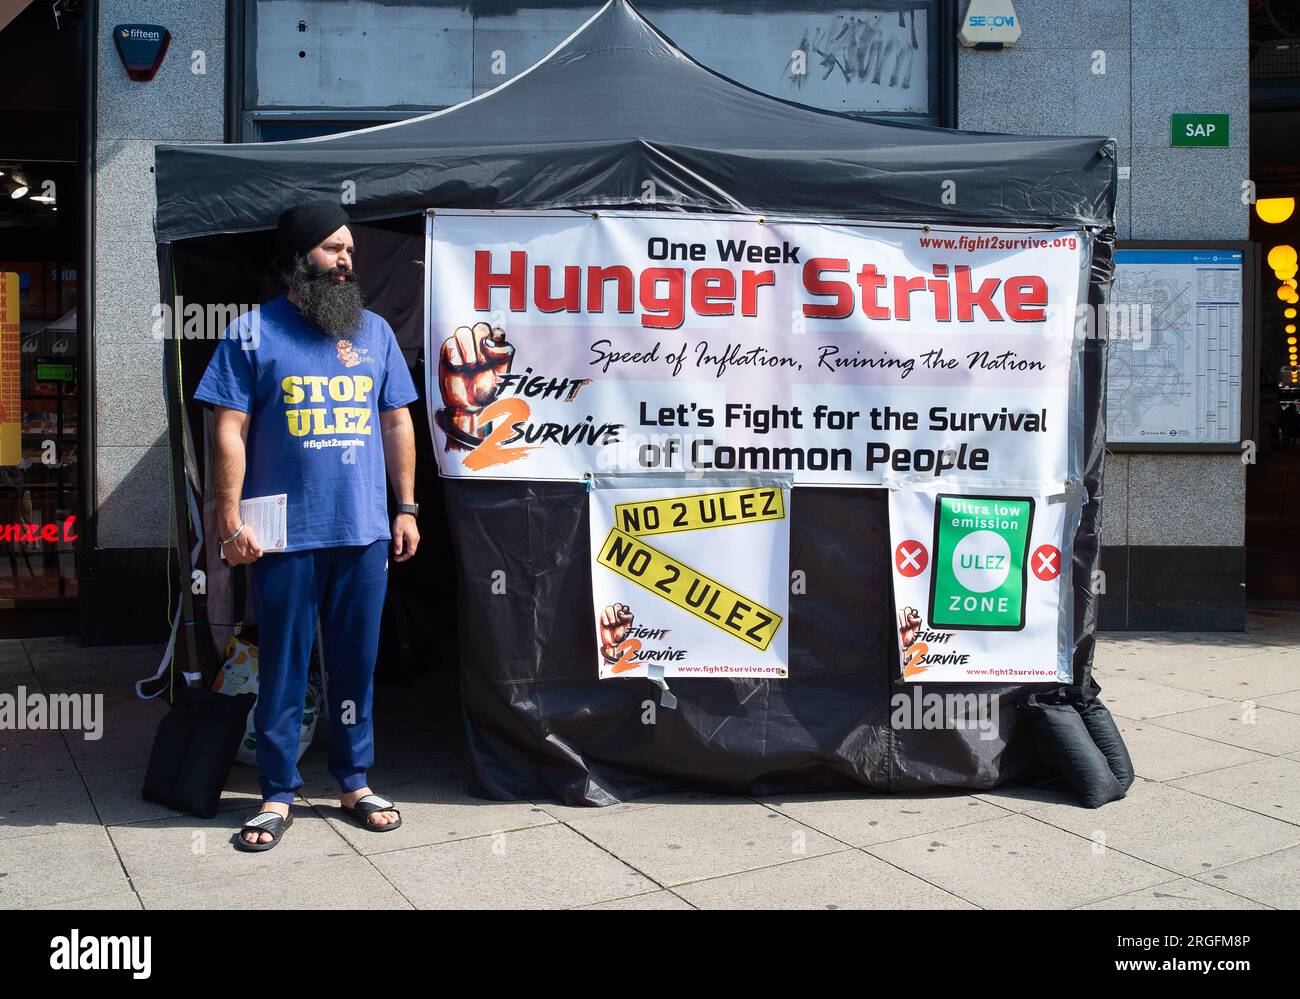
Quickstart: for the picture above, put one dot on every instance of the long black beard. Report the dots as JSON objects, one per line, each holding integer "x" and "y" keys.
{"x": 334, "y": 306}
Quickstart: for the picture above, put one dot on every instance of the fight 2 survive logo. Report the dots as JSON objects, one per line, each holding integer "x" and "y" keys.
{"x": 351, "y": 355}
{"x": 485, "y": 410}
{"x": 624, "y": 645}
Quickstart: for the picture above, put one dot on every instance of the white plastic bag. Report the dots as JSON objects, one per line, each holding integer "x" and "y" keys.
{"x": 239, "y": 675}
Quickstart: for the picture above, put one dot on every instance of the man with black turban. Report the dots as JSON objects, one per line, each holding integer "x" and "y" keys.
{"x": 310, "y": 402}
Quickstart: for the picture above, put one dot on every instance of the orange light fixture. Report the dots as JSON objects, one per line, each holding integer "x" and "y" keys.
{"x": 1281, "y": 256}
{"x": 1275, "y": 210}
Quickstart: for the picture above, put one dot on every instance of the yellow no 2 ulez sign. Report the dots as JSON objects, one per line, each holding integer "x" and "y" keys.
{"x": 700, "y": 511}
{"x": 672, "y": 579}
{"x": 709, "y": 596}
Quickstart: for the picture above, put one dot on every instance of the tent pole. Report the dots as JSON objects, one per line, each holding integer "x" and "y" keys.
{"x": 174, "y": 399}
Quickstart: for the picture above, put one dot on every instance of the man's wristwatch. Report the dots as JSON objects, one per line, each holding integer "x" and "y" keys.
{"x": 412, "y": 508}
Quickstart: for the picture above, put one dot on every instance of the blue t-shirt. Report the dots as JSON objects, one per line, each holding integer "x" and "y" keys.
{"x": 314, "y": 434}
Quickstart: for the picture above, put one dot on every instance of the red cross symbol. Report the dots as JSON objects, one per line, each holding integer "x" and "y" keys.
{"x": 1046, "y": 562}
{"x": 910, "y": 558}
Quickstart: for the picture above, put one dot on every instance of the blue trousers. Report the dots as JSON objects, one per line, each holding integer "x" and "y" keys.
{"x": 346, "y": 587}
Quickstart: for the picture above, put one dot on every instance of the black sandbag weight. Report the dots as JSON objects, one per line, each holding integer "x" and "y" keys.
{"x": 1106, "y": 737}
{"x": 194, "y": 750}
{"x": 1065, "y": 740}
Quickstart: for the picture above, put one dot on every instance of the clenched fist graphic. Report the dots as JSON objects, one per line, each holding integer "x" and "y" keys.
{"x": 470, "y": 365}
{"x": 909, "y": 623}
{"x": 615, "y": 620}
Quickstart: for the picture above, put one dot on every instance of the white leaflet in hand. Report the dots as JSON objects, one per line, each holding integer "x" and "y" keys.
{"x": 267, "y": 516}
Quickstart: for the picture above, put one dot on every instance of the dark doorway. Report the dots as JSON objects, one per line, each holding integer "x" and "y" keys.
{"x": 1273, "y": 482}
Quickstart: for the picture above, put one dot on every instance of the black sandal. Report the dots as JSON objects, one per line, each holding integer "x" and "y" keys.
{"x": 366, "y": 806}
{"x": 263, "y": 822}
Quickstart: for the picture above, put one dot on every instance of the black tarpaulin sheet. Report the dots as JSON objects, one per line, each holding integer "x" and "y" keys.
{"x": 615, "y": 106}
{"x": 542, "y": 724}
{"x": 619, "y": 106}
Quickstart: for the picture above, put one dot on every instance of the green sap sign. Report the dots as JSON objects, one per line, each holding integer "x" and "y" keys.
{"x": 1200, "y": 130}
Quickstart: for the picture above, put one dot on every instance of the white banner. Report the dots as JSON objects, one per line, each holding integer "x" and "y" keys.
{"x": 691, "y": 581}
{"x": 979, "y": 581}
{"x": 567, "y": 343}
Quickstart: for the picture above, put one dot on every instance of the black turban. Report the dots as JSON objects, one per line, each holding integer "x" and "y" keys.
{"x": 304, "y": 227}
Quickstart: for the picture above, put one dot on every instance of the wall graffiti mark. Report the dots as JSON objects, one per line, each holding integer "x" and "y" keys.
{"x": 873, "y": 48}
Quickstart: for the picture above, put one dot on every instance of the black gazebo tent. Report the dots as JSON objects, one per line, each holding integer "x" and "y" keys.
{"x": 615, "y": 107}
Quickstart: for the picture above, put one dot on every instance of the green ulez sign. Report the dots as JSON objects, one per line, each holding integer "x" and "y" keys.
{"x": 981, "y": 549}
{"x": 1200, "y": 129}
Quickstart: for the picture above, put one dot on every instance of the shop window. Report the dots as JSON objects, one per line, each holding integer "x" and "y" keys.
{"x": 39, "y": 411}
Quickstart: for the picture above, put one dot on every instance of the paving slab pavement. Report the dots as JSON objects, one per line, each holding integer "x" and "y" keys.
{"x": 1212, "y": 722}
